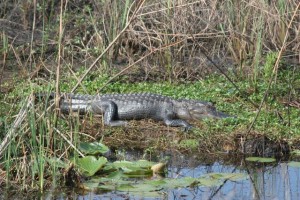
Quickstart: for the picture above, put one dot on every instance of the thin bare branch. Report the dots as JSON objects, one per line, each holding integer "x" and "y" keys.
{"x": 13, "y": 130}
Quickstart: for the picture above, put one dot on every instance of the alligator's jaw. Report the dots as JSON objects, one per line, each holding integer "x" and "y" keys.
{"x": 217, "y": 115}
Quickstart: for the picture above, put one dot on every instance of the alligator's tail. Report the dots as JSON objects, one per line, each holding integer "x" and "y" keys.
{"x": 67, "y": 102}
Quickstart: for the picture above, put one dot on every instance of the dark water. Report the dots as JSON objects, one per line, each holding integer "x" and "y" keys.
{"x": 273, "y": 181}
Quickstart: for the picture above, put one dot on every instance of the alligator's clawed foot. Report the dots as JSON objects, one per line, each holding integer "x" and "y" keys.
{"x": 187, "y": 128}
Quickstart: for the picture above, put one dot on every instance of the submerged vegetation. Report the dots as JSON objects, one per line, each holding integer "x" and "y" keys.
{"x": 240, "y": 55}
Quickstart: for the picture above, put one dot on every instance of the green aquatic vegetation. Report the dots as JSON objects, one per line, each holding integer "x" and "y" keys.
{"x": 92, "y": 148}
{"x": 141, "y": 190}
{"x": 138, "y": 164}
{"x": 294, "y": 164}
{"x": 140, "y": 168}
{"x": 144, "y": 185}
{"x": 115, "y": 176}
{"x": 89, "y": 165}
{"x": 227, "y": 176}
{"x": 260, "y": 159}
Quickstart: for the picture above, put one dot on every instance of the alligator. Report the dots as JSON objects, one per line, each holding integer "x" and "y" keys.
{"x": 117, "y": 108}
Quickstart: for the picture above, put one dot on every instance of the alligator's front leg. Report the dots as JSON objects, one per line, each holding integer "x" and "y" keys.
{"x": 110, "y": 112}
{"x": 177, "y": 122}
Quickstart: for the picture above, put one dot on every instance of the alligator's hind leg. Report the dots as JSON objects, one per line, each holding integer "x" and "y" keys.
{"x": 110, "y": 112}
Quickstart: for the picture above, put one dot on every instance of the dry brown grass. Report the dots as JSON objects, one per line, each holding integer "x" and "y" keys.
{"x": 167, "y": 34}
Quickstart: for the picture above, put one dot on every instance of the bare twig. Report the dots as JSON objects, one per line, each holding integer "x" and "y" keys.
{"x": 69, "y": 142}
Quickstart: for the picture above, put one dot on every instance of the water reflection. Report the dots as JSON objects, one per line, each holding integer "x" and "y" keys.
{"x": 279, "y": 181}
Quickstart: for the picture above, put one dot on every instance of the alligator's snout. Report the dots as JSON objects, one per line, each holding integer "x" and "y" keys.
{"x": 218, "y": 115}
{"x": 199, "y": 110}
{"x": 204, "y": 113}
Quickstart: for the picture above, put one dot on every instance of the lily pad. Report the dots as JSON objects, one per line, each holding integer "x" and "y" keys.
{"x": 260, "y": 159}
{"x": 294, "y": 164}
{"x": 209, "y": 182}
{"x": 141, "y": 168}
{"x": 180, "y": 182}
{"x": 107, "y": 187}
{"x": 135, "y": 165}
{"x": 138, "y": 173}
{"x": 138, "y": 188}
{"x": 228, "y": 176}
{"x": 90, "y": 164}
{"x": 93, "y": 148}
{"x": 160, "y": 182}
{"x": 216, "y": 179}
{"x": 105, "y": 183}
{"x": 116, "y": 175}
{"x": 141, "y": 190}
{"x": 146, "y": 195}
{"x": 144, "y": 163}
{"x": 90, "y": 186}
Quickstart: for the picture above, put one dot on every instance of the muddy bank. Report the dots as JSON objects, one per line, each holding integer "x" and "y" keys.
{"x": 155, "y": 137}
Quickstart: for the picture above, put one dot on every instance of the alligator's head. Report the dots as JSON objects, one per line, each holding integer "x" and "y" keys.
{"x": 192, "y": 109}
